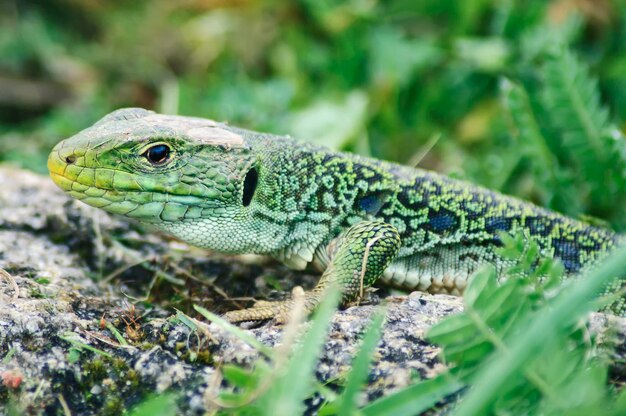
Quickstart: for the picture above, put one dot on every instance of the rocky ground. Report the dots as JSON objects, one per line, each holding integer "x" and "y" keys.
{"x": 77, "y": 276}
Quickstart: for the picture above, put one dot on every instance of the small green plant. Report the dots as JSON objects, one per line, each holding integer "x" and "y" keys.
{"x": 279, "y": 383}
{"x": 519, "y": 347}
{"x": 566, "y": 136}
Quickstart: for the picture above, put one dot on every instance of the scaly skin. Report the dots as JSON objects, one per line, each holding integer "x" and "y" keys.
{"x": 359, "y": 219}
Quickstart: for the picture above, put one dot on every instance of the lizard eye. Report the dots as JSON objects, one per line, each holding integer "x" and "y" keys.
{"x": 158, "y": 154}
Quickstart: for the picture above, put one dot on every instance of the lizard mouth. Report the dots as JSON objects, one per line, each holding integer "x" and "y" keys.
{"x": 116, "y": 191}
{"x": 68, "y": 172}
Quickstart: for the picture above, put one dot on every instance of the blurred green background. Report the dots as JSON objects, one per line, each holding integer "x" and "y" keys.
{"x": 435, "y": 83}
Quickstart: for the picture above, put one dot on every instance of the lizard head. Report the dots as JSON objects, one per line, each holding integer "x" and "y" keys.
{"x": 159, "y": 169}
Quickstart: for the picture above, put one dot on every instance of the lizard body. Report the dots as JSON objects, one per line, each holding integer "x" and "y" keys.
{"x": 358, "y": 219}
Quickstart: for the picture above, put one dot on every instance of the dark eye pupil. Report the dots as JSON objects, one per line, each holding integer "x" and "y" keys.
{"x": 158, "y": 154}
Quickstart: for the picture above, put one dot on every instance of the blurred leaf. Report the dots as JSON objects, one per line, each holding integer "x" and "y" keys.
{"x": 240, "y": 377}
{"x": 488, "y": 55}
{"x": 161, "y": 405}
{"x": 581, "y": 124}
{"x": 395, "y": 60}
{"x": 546, "y": 37}
{"x": 332, "y": 123}
{"x": 337, "y": 15}
{"x": 556, "y": 189}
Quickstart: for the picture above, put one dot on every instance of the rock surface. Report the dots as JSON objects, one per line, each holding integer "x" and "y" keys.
{"x": 80, "y": 276}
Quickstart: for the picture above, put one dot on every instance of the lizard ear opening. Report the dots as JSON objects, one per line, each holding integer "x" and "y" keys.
{"x": 249, "y": 186}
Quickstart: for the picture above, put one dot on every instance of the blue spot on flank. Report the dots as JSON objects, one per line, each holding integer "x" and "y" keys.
{"x": 372, "y": 203}
{"x": 569, "y": 255}
{"x": 441, "y": 221}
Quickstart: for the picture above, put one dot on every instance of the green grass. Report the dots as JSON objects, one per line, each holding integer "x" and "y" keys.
{"x": 519, "y": 347}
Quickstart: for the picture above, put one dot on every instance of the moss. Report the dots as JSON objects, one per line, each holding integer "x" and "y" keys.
{"x": 133, "y": 378}
{"x": 146, "y": 346}
{"x": 31, "y": 342}
{"x": 205, "y": 357}
{"x": 36, "y": 293}
{"x": 113, "y": 406}
{"x": 95, "y": 370}
{"x": 119, "y": 365}
{"x": 121, "y": 385}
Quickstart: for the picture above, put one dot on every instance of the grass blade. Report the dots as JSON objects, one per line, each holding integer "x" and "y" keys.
{"x": 120, "y": 338}
{"x": 288, "y": 394}
{"x": 238, "y": 332}
{"x": 361, "y": 364}
{"x": 415, "y": 399}
{"x": 81, "y": 345}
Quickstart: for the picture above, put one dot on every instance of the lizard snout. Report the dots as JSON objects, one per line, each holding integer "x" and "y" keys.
{"x": 60, "y": 158}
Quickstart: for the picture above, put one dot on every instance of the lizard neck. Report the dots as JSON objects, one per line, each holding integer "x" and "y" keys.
{"x": 307, "y": 195}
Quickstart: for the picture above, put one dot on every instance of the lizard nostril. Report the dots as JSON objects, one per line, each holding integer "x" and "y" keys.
{"x": 70, "y": 159}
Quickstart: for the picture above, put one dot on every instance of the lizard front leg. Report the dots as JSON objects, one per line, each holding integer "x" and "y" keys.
{"x": 358, "y": 257}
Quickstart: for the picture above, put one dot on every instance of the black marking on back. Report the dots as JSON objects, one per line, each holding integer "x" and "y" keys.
{"x": 407, "y": 197}
{"x": 469, "y": 256}
{"x": 539, "y": 226}
{"x": 493, "y": 225}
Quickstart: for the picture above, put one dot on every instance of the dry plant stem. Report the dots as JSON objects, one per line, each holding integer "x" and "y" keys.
{"x": 212, "y": 390}
{"x": 109, "y": 341}
{"x": 12, "y": 282}
{"x": 205, "y": 282}
{"x": 66, "y": 408}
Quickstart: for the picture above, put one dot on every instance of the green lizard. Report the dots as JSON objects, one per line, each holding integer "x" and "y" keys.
{"x": 358, "y": 219}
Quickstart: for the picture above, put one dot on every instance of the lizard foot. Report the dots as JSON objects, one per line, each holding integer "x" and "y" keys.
{"x": 279, "y": 311}
{"x": 358, "y": 257}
